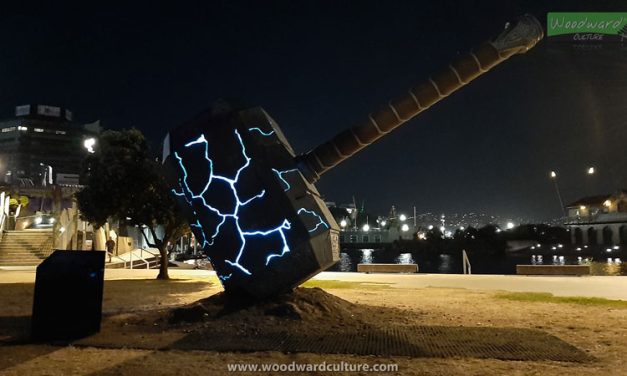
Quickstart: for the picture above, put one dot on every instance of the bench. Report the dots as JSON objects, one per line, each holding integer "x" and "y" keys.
{"x": 553, "y": 269}
{"x": 387, "y": 268}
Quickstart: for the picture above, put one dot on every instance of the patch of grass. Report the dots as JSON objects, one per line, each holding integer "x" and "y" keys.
{"x": 335, "y": 284}
{"x": 542, "y": 297}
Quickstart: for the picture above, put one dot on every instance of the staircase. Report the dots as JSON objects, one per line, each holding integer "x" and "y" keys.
{"x": 25, "y": 248}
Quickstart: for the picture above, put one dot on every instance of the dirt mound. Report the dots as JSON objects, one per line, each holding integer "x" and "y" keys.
{"x": 301, "y": 305}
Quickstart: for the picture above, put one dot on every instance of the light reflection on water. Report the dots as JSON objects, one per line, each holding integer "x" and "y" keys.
{"x": 405, "y": 258}
{"x": 445, "y": 264}
{"x": 345, "y": 264}
{"x": 481, "y": 264}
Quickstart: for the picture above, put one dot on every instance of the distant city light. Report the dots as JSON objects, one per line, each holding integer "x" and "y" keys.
{"x": 462, "y": 228}
{"x": 383, "y": 223}
{"x": 405, "y": 227}
{"x": 442, "y": 229}
{"x": 553, "y": 174}
{"x": 510, "y": 225}
{"x": 591, "y": 170}
{"x": 366, "y": 227}
{"x": 343, "y": 223}
{"x": 402, "y": 217}
{"x": 430, "y": 227}
{"x": 89, "y": 144}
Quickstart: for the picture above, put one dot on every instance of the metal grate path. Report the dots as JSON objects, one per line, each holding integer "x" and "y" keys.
{"x": 412, "y": 341}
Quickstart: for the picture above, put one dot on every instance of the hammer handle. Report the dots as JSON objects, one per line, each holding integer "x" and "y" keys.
{"x": 513, "y": 40}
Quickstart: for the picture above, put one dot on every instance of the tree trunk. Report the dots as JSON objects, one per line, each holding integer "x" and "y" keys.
{"x": 163, "y": 264}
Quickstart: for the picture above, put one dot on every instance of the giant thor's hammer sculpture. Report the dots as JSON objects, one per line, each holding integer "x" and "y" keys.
{"x": 250, "y": 200}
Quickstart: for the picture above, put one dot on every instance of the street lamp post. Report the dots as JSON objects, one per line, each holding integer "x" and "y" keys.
{"x": 553, "y": 176}
{"x": 591, "y": 172}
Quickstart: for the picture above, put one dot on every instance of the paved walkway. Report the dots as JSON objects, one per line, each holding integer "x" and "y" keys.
{"x": 610, "y": 287}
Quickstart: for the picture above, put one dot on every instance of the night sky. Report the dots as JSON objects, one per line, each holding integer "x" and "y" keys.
{"x": 320, "y": 66}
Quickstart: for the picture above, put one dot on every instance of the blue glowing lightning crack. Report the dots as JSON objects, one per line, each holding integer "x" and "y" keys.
{"x": 187, "y": 192}
{"x": 321, "y": 222}
{"x": 279, "y": 174}
{"x": 262, "y": 132}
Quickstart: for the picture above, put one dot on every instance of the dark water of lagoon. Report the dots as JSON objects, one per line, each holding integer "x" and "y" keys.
{"x": 451, "y": 264}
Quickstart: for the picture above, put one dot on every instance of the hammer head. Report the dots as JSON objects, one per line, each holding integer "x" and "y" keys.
{"x": 264, "y": 227}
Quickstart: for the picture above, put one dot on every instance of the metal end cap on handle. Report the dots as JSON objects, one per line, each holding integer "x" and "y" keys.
{"x": 520, "y": 36}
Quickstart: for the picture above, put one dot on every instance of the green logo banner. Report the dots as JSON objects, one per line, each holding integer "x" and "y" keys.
{"x": 584, "y": 25}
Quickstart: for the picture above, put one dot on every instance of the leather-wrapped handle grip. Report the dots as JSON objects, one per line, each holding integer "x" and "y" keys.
{"x": 515, "y": 39}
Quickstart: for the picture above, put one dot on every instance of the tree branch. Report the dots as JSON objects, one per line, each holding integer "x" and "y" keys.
{"x": 151, "y": 245}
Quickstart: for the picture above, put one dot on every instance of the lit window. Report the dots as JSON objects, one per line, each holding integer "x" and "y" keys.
{"x": 20, "y": 128}
{"x": 59, "y": 132}
{"x": 38, "y": 130}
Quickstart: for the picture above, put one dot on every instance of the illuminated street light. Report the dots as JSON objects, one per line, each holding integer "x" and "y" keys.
{"x": 383, "y": 223}
{"x": 405, "y": 227}
{"x": 402, "y": 217}
{"x": 510, "y": 225}
{"x": 591, "y": 171}
{"x": 343, "y": 223}
{"x": 366, "y": 227}
{"x": 553, "y": 176}
{"x": 89, "y": 144}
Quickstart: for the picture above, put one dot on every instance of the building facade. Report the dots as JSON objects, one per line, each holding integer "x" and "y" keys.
{"x": 599, "y": 220}
{"x": 42, "y": 145}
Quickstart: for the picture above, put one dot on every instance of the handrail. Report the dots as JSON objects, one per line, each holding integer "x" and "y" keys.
{"x": 141, "y": 258}
{"x": 466, "y": 263}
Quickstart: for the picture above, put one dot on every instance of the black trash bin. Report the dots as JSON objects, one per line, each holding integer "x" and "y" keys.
{"x": 68, "y": 296}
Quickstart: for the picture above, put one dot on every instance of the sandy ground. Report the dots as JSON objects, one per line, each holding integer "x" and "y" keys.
{"x": 600, "y": 331}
